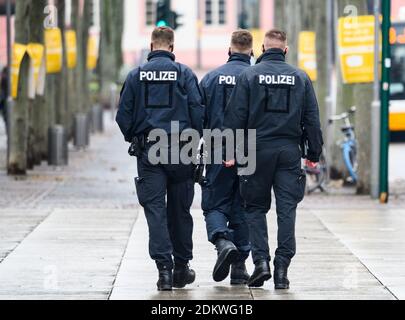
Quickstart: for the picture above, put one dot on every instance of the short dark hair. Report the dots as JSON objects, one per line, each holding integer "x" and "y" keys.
{"x": 163, "y": 36}
{"x": 242, "y": 40}
{"x": 276, "y": 34}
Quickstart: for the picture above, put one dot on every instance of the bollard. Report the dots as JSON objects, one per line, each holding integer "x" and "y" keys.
{"x": 82, "y": 131}
{"x": 96, "y": 116}
{"x": 58, "y": 146}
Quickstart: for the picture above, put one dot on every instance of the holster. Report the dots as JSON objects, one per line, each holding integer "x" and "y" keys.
{"x": 199, "y": 170}
{"x": 138, "y": 145}
{"x": 304, "y": 145}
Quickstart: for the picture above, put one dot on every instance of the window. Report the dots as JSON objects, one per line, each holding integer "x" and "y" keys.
{"x": 150, "y": 12}
{"x": 249, "y": 14}
{"x": 215, "y": 12}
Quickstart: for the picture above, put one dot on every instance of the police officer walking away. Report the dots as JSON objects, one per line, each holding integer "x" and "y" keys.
{"x": 221, "y": 201}
{"x": 154, "y": 95}
{"x": 278, "y": 101}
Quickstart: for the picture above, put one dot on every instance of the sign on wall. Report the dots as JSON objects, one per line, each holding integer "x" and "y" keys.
{"x": 54, "y": 53}
{"x": 19, "y": 51}
{"x": 307, "y": 53}
{"x": 71, "y": 48}
{"x": 92, "y": 52}
{"x": 36, "y": 73}
{"x": 356, "y": 39}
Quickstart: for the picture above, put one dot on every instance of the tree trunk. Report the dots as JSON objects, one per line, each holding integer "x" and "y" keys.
{"x": 37, "y": 147}
{"x": 279, "y": 14}
{"x": 363, "y": 98}
{"x": 82, "y": 25}
{"x": 321, "y": 85}
{"x": 359, "y": 95}
{"x": 110, "y": 60}
{"x": 73, "y": 74}
{"x": 19, "y": 121}
{"x": 344, "y": 101}
{"x": 293, "y": 25}
{"x": 61, "y": 77}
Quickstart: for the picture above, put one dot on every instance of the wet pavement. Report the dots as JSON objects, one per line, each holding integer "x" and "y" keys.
{"x": 78, "y": 233}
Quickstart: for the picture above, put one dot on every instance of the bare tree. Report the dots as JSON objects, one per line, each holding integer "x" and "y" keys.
{"x": 110, "y": 60}
{"x": 359, "y": 95}
{"x": 61, "y": 77}
{"x": 37, "y": 146}
{"x": 19, "y": 115}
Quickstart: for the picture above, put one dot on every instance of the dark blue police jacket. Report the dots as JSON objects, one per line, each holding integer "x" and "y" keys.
{"x": 158, "y": 93}
{"x": 217, "y": 86}
{"x": 278, "y": 101}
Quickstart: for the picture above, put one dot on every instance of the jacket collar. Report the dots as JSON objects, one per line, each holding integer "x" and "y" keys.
{"x": 272, "y": 55}
{"x": 161, "y": 54}
{"x": 239, "y": 57}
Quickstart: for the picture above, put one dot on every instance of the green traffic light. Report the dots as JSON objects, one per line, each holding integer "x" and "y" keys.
{"x": 162, "y": 23}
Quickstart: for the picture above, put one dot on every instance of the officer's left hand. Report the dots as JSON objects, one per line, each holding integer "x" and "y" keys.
{"x": 229, "y": 164}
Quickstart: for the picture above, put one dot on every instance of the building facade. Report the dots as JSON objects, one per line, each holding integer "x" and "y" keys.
{"x": 218, "y": 19}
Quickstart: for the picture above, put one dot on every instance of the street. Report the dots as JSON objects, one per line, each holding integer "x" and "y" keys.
{"x": 78, "y": 233}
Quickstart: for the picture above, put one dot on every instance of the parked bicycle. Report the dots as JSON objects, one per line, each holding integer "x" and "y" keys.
{"x": 316, "y": 176}
{"x": 349, "y": 143}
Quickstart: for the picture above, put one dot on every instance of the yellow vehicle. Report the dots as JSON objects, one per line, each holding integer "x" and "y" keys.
{"x": 397, "y": 109}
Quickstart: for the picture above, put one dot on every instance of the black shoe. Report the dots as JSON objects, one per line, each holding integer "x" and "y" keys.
{"x": 227, "y": 255}
{"x": 183, "y": 276}
{"x": 261, "y": 275}
{"x": 281, "y": 281}
{"x": 165, "y": 282}
{"x": 239, "y": 274}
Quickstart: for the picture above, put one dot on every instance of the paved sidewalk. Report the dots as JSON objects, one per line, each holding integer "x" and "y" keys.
{"x": 78, "y": 233}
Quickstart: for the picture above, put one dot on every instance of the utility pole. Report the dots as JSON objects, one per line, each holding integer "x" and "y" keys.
{"x": 329, "y": 112}
{"x": 376, "y": 109}
{"x": 385, "y": 101}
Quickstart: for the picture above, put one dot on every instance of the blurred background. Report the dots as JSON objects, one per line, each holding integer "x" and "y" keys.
{"x": 70, "y": 58}
{"x": 70, "y": 224}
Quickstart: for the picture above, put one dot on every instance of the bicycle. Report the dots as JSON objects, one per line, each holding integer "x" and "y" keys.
{"x": 349, "y": 144}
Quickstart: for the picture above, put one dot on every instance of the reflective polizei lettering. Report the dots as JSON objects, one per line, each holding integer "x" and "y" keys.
{"x": 277, "y": 79}
{"x": 228, "y": 80}
{"x": 158, "y": 76}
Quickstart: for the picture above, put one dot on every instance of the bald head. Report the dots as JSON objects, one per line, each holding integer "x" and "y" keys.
{"x": 275, "y": 39}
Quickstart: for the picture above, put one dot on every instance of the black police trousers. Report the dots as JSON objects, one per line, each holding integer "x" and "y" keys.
{"x": 278, "y": 168}
{"x": 166, "y": 192}
{"x": 223, "y": 211}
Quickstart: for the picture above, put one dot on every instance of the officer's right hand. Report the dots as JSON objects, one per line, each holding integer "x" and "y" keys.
{"x": 311, "y": 165}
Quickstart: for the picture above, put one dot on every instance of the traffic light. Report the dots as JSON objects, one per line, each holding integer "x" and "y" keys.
{"x": 163, "y": 13}
{"x": 175, "y": 24}
{"x": 165, "y": 17}
{"x": 3, "y": 7}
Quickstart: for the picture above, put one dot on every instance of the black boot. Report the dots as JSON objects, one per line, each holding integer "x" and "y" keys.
{"x": 261, "y": 275}
{"x": 281, "y": 281}
{"x": 183, "y": 276}
{"x": 227, "y": 255}
{"x": 165, "y": 282}
{"x": 239, "y": 274}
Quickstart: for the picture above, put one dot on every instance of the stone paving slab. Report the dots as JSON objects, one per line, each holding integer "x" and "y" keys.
{"x": 323, "y": 269}
{"x": 15, "y": 225}
{"x": 71, "y": 255}
{"x": 376, "y": 237}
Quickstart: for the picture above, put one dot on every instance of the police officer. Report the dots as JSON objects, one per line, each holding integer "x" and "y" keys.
{"x": 221, "y": 201}
{"x": 278, "y": 101}
{"x": 154, "y": 96}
